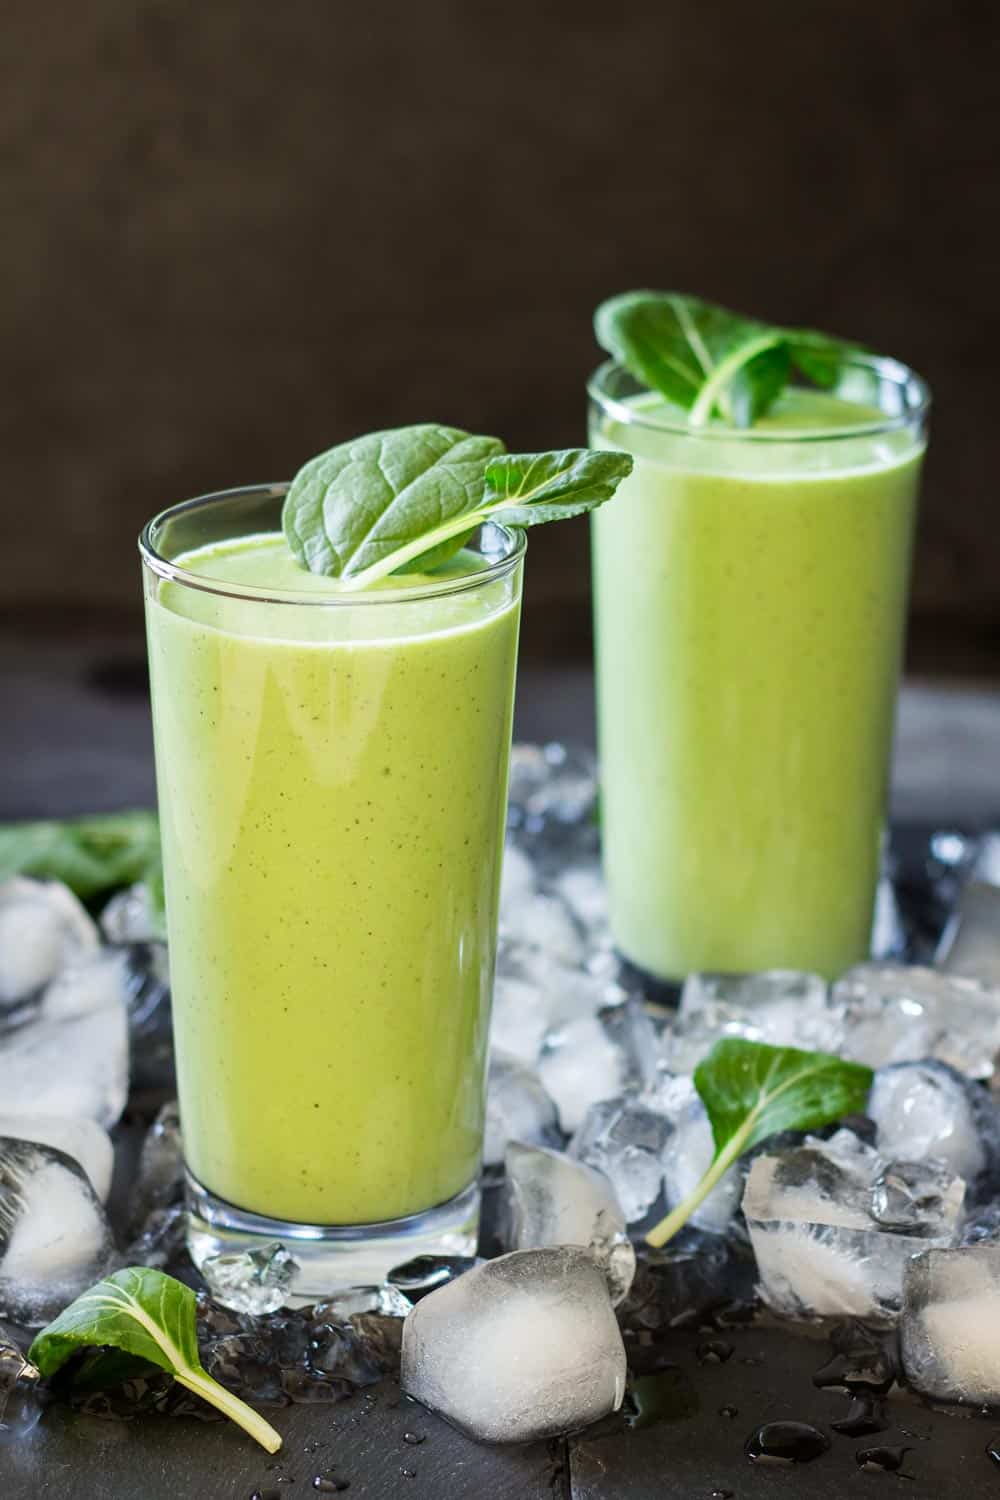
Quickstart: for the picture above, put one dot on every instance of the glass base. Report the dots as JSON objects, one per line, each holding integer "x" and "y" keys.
{"x": 665, "y": 992}
{"x": 332, "y": 1258}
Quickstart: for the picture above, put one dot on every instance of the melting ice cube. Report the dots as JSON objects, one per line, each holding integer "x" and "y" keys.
{"x": 254, "y": 1281}
{"x": 128, "y": 917}
{"x": 927, "y": 1109}
{"x": 581, "y": 1065}
{"x": 43, "y": 927}
{"x": 54, "y": 1238}
{"x": 900, "y": 1012}
{"x": 625, "y": 1140}
{"x": 781, "y": 1006}
{"x": 522, "y": 1347}
{"x": 821, "y": 1251}
{"x": 553, "y": 1200}
{"x": 950, "y": 1325}
{"x": 71, "y": 1056}
{"x": 77, "y": 1135}
{"x": 517, "y": 1108}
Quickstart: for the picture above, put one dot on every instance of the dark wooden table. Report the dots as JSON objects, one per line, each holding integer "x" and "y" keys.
{"x": 77, "y": 739}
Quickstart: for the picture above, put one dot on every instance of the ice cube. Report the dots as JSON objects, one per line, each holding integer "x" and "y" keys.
{"x": 551, "y": 785}
{"x": 580, "y": 1066}
{"x": 387, "y": 1301}
{"x": 581, "y": 887}
{"x": 781, "y": 1006}
{"x": 820, "y": 1250}
{"x": 77, "y": 1135}
{"x": 552, "y": 1200}
{"x": 71, "y": 1056}
{"x": 688, "y": 1154}
{"x": 950, "y": 1325}
{"x": 521, "y": 1348}
{"x": 517, "y": 881}
{"x": 534, "y": 993}
{"x": 128, "y": 917}
{"x": 159, "y": 1182}
{"x": 970, "y": 943}
{"x": 625, "y": 1140}
{"x": 256, "y": 1282}
{"x": 20, "y": 1394}
{"x": 901, "y": 1012}
{"x": 54, "y": 1237}
{"x": 43, "y": 928}
{"x": 517, "y": 1108}
{"x": 543, "y": 922}
{"x": 927, "y": 1109}
{"x": 917, "y": 1197}
{"x": 146, "y": 977}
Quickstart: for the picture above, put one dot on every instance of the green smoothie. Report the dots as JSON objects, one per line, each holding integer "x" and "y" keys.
{"x": 750, "y": 607}
{"x": 332, "y": 785}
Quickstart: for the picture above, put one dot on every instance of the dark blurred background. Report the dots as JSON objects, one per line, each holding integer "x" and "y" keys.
{"x": 236, "y": 232}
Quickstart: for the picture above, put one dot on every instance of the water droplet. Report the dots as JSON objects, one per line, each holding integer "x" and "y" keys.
{"x": 880, "y": 1460}
{"x": 785, "y": 1443}
{"x": 329, "y": 1484}
{"x": 266, "y": 1495}
{"x": 414, "y": 1438}
{"x": 667, "y": 1396}
{"x": 729, "y": 1411}
{"x": 993, "y": 1449}
{"x": 722, "y": 1495}
{"x": 714, "y": 1352}
{"x": 864, "y": 1417}
{"x": 408, "y": 1473}
{"x": 864, "y": 1370}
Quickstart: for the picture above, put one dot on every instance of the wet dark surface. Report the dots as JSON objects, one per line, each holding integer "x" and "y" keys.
{"x": 361, "y": 1441}
{"x": 696, "y": 1450}
{"x": 677, "y": 1438}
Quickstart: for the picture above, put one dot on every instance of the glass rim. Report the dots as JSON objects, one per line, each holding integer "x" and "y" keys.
{"x": 515, "y": 540}
{"x": 913, "y": 386}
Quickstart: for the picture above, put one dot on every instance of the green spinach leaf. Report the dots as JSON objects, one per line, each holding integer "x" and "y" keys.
{"x": 411, "y": 497}
{"x": 708, "y": 360}
{"x": 750, "y": 1091}
{"x": 90, "y": 855}
{"x": 149, "y": 1315}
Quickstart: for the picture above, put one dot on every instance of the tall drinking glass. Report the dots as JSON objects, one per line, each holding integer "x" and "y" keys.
{"x": 750, "y": 604}
{"x": 332, "y": 774}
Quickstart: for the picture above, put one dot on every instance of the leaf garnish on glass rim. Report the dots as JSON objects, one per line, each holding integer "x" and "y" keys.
{"x": 751, "y": 1090}
{"x": 710, "y": 361}
{"x": 150, "y": 1315}
{"x": 411, "y": 497}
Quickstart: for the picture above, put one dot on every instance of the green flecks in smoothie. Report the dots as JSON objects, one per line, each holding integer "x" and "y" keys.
{"x": 333, "y": 927}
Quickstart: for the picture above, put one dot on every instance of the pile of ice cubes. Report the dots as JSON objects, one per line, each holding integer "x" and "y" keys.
{"x": 595, "y": 1130}
{"x": 75, "y": 999}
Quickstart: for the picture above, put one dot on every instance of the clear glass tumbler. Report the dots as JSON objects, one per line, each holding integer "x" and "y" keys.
{"x": 332, "y": 775}
{"x": 750, "y": 605}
